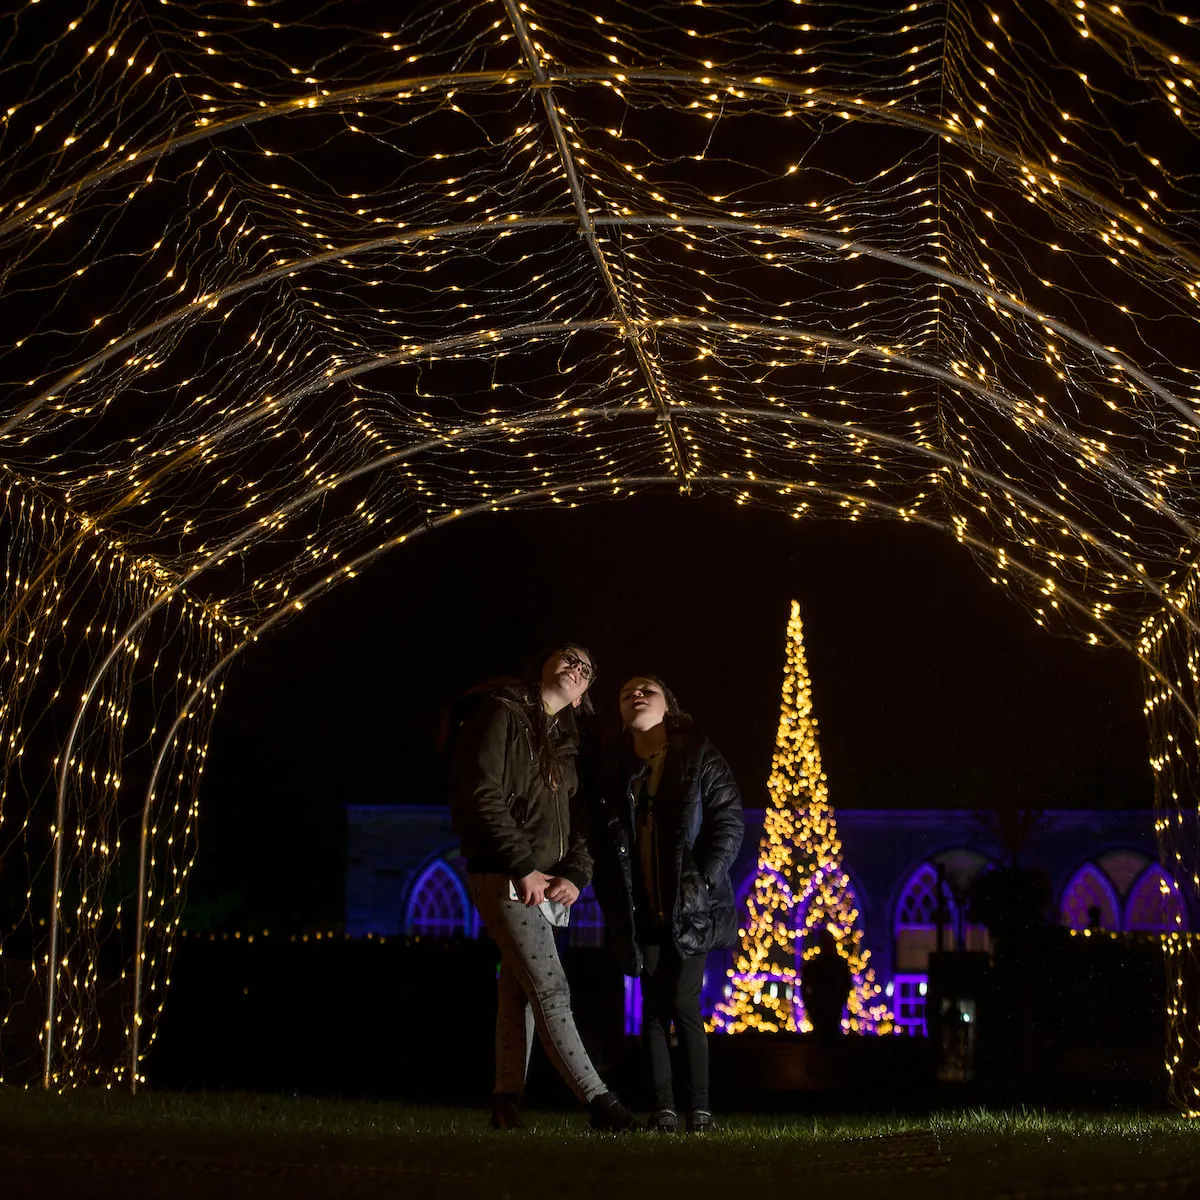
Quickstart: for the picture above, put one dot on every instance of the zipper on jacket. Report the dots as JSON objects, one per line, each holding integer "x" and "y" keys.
{"x": 630, "y": 853}
{"x": 562, "y": 839}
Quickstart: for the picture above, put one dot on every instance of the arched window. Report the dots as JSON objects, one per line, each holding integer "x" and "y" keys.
{"x": 918, "y": 904}
{"x": 1154, "y": 903}
{"x": 916, "y": 921}
{"x": 587, "y": 921}
{"x": 1089, "y": 899}
{"x": 438, "y": 905}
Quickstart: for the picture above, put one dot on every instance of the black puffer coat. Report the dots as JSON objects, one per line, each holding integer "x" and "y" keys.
{"x": 698, "y": 811}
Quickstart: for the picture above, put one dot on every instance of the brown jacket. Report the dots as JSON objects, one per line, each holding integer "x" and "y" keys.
{"x": 510, "y": 820}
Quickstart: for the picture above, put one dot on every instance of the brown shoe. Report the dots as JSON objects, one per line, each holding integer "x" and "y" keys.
{"x": 506, "y": 1111}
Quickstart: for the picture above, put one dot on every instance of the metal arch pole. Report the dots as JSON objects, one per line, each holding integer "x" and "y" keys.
{"x": 766, "y": 85}
{"x": 629, "y": 330}
{"x": 470, "y": 434}
{"x": 775, "y": 333}
{"x": 1057, "y": 431}
{"x": 52, "y": 955}
{"x": 898, "y": 443}
{"x": 789, "y": 232}
{"x": 139, "y": 940}
{"x": 288, "y": 269}
{"x": 181, "y": 582}
{"x": 242, "y": 537}
{"x": 139, "y": 934}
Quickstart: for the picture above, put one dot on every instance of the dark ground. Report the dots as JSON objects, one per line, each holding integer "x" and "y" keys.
{"x": 234, "y": 1146}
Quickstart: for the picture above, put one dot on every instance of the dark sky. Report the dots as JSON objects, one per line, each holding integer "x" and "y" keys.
{"x": 931, "y": 685}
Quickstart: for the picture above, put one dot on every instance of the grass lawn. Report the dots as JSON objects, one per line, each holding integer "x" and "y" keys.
{"x": 101, "y": 1144}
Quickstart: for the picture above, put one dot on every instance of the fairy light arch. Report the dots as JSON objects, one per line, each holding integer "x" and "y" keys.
{"x": 287, "y": 292}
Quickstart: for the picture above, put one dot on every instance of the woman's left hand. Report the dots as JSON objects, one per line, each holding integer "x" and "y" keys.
{"x": 562, "y": 890}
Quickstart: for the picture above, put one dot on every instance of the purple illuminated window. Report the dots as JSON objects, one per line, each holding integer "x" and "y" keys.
{"x": 1090, "y": 899}
{"x": 916, "y": 930}
{"x": 917, "y": 908}
{"x": 1154, "y": 903}
{"x": 438, "y": 905}
{"x": 908, "y": 1003}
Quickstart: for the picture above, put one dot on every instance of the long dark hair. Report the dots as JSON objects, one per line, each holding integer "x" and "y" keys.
{"x": 549, "y": 733}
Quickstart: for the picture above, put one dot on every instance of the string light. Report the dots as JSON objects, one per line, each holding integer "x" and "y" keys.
{"x": 1170, "y": 646}
{"x": 801, "y": 887}
{"x": 283, "y": 293}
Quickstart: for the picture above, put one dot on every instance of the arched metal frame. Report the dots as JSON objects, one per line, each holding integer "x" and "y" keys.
{"x": 626, "y": 327}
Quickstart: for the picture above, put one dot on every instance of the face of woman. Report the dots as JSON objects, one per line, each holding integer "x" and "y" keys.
{"x": 643, "y": 704}
{"x": 568, "y": 672}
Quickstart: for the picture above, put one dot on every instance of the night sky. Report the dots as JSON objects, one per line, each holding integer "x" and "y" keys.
{"x": 932, "y": 686}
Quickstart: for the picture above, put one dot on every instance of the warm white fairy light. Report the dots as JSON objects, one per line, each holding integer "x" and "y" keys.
{"x": 281, "y": 292}
{"x": 801, "y": 886}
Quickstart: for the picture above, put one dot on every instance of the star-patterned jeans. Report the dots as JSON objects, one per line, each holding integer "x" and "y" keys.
{"x": 531, "y": 993}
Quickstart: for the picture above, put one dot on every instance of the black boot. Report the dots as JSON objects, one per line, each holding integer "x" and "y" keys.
{"x": 609, "y": 1115}
{"x": 506, "y": 1111}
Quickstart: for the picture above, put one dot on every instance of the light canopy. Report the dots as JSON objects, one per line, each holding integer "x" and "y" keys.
{"x": 287, "y": 284}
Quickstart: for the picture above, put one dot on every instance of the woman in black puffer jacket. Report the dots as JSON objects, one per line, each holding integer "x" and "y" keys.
{"x": 666, "y": 827}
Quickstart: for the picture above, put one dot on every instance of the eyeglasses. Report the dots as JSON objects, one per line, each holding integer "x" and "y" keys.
{"x": 585, "y": 669}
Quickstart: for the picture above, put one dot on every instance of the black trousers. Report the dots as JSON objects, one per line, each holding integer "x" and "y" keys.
{"x": 671, "y": 993}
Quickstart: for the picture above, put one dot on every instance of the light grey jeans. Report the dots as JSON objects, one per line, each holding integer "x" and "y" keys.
{"x": 531, "y": 993}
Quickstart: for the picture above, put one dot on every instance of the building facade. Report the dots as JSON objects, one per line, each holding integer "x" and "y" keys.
{"x": 911, "y": 871}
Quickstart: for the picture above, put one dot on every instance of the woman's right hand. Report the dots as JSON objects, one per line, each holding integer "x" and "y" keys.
{"x": 531, "y": 888}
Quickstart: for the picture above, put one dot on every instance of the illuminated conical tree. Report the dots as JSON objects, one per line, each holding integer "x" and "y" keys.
{"x": 801, "y": 886}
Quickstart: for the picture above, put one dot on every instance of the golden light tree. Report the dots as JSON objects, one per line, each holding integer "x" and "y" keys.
{"x": 801, "y": 886}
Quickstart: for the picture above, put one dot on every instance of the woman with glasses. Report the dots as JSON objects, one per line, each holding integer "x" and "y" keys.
{"x": 514, "y": 802}
{"x": 666, "y": 827}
